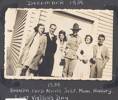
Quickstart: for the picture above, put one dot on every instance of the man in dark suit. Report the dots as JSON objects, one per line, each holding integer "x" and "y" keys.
{"x": 47, "y": 66}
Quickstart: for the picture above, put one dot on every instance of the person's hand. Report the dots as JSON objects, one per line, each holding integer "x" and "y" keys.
{"x": 104, "y": 64}
{"x": 41, "y": 60}
{"x": 85, "y": 61}
{"x": 92, "y": 61}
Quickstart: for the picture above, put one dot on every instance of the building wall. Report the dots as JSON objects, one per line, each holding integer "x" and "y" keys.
{"x": 17, "y": 37}
{"x": 8, "y": 35}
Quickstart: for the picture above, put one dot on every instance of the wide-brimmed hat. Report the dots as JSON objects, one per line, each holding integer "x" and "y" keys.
{"x": 76, "y": 27}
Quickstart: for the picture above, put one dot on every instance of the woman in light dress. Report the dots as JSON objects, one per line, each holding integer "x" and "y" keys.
{"x": 33, "y": 52}
{"x": 59, "y": 55}
{"x": 85, "y": 54}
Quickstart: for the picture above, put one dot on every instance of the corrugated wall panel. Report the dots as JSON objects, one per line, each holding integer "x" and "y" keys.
{"x": 88, "y": 14}
{"x": 17, "y": 36}
{"x": 105, "y": 26}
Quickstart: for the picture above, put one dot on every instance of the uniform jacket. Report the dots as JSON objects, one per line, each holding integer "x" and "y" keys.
{"x": 72, "y": 46}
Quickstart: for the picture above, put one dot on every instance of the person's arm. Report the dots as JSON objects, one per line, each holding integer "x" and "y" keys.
{"x": 80, "y": 53}
{"x": 106, "y": 57}
{"x": 64, "y": 48}
{"x": 42, "y": 49}
{"x": 80, "y": 40}
{"x": 25, "y": 49}
{"x": 93, "y": 57}
{"x": 44, "y": 45}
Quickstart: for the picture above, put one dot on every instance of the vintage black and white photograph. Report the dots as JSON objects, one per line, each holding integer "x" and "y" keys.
{"x": 58, "y": 44}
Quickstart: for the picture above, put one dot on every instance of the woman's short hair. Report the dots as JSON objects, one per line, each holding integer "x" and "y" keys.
{"x": 90, "y": 38}
{"x": 36, "y": 28}
{"x": 64, "y": 33}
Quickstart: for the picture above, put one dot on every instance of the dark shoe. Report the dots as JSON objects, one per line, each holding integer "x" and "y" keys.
{"x": 24, "y": 70}
{"x": 34, "y": 72}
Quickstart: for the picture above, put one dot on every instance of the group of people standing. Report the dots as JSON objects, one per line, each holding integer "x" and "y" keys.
{"x": 46, "y": 54}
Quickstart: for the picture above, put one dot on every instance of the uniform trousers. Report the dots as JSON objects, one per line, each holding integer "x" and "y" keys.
{"x": 69, "y": 67}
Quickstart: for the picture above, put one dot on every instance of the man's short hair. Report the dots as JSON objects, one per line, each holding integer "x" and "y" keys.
{"x": 38, "y": 25}
{"x": 53, "y": 25}
{"x": 101, "y": 35}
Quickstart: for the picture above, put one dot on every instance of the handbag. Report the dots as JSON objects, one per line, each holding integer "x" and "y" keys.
{"x": 92, "y": 61}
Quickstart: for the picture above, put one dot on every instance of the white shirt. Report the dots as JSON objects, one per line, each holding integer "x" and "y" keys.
{"x": 99, "y": 51}
{"x": 51, "y": 36}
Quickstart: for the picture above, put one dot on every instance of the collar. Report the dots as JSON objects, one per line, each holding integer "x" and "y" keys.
{"x": 100, "y": 45}
{"x": 50, "y": 35}
{"x": 73, "y": 35}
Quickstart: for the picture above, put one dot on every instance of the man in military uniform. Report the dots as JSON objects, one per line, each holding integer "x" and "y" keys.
{"x": 72, "y": 46}
{"x": 45, "y": 69}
